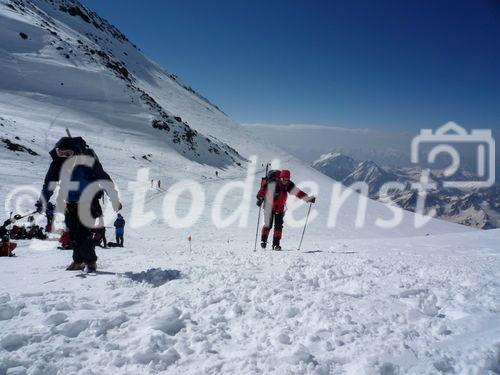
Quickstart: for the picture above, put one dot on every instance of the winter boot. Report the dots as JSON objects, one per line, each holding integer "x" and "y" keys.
{"x": 75, "y": 266}
{"x": 276, "y": 244}
{"x": 263, "y": 244}
{"x": 91, "y": 266}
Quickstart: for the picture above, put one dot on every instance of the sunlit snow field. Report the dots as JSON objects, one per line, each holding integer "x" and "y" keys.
{"x": 353, "y": 300}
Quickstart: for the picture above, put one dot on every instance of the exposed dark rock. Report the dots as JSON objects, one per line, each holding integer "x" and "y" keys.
{"x": 119, "y": 69}
{"x": 157, "y": 124}
{"x": 189, "y": 135}
{"x": 23, "y": 35}
{"x": 17, "y": 147}
{"x": 75, "y": 11}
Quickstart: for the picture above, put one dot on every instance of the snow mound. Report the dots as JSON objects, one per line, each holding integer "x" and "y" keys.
{"x": 154, "y": 276}
{"x": 168, "y": 321}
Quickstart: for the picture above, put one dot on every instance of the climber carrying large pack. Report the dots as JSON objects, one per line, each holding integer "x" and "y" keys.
{"x": 273, "y": 194}
{"x": 73, "y": 150}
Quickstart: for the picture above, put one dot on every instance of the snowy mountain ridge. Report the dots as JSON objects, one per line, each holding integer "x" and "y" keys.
{"x": 65, "y": 36}
{"x": 478, "y": 208}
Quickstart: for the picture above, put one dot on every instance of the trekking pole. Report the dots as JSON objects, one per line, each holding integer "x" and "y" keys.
{"x": 305, "y": 224}
{"x": 257, "y": 230}
{"x": 19, "y": 217}
{"x": 9, "y": 227}
{"x": 258, "y": 219}
{"x": 68, "y": 133}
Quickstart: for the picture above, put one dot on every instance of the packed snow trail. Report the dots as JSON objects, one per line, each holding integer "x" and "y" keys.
{"x": 355, "y": 307}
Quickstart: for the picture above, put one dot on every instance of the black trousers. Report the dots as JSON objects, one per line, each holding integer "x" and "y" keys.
{"x": 119, "y": 240}
{"x": 271, "y": 218}
{"x": 81, "y": 236}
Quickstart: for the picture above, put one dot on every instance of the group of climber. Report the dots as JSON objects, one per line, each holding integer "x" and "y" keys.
{"x": 29, "y": 232}
{"x": 99, "y": 236}
{"x": 11, "y": 230}
{"x": 83, "y": 239}
{"x": 79, "y": 237}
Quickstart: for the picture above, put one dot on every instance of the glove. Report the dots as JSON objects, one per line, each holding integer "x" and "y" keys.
{"x": 310, "y": 199}
{"x": 259, "y": 202}
{"x": 39, "y": 206}
{"x": 117, "y": 206}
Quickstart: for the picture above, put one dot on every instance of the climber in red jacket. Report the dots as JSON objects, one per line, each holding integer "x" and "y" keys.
{"x": 274, "y": 193}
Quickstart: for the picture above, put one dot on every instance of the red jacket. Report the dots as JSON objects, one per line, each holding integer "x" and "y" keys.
{"x": 281, "y": 194}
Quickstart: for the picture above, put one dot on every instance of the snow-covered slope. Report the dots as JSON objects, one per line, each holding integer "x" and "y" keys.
{"x": 405, "y": 301}
{"x": 74, "y": 61}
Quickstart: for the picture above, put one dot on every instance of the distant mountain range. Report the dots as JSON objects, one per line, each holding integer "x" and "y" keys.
{"x": 478, "y": 208}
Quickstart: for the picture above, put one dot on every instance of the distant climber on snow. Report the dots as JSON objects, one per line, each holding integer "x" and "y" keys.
{"x": 69, "y": 149}
{"x": 119, "y": 230}
{"x": 273, "y": 194}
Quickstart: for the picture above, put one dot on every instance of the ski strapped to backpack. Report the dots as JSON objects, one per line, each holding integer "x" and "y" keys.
{"x": 271, "y": 176}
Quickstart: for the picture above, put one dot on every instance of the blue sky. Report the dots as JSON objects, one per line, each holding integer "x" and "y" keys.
{"x": 385, "y": 64}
